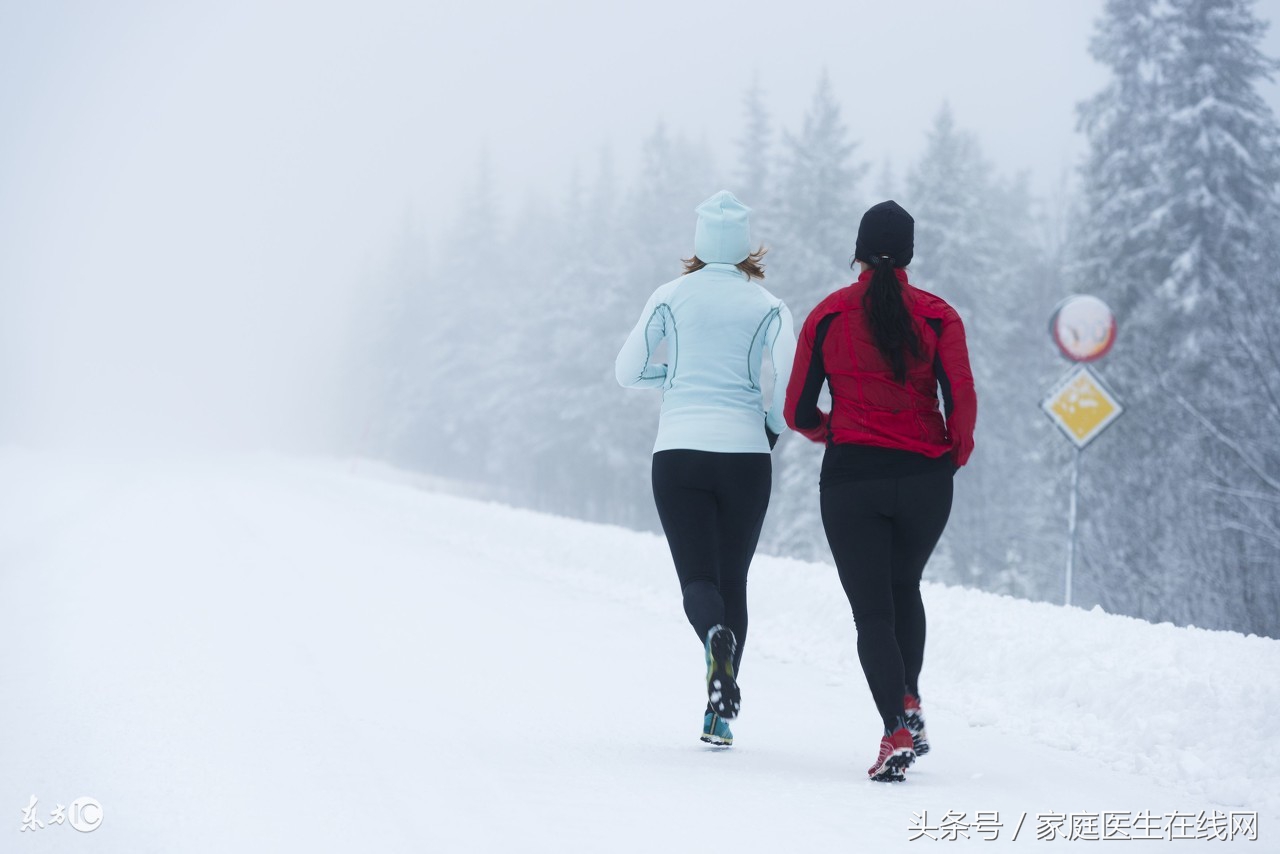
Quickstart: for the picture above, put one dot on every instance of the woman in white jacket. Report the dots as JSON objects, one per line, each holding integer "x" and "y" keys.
{"x": 712, "y": 468}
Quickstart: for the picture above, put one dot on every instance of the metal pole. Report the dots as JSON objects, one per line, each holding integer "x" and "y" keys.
{"x": 1071, "y": 523}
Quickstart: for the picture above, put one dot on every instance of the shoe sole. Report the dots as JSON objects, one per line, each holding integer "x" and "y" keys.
{"x": 722, "y": 689}
{"x": 919, "y": 739}
{"x": 889, "y": 777}
{"x": 894, "y": 768}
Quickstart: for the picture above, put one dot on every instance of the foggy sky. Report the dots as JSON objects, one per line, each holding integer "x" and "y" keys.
{"x": 192, "y": 199}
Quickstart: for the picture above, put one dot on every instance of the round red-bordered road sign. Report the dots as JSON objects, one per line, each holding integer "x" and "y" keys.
{"x": 1083, "y": 327}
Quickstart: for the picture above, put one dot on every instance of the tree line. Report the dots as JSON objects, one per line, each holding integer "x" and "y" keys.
{"x": 485, "y": 352}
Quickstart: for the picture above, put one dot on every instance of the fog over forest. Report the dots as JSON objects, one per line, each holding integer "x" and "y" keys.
{"x": 420, "y": 235}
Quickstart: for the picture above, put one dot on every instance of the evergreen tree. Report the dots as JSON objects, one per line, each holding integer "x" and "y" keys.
{"x": 453, "y": 339}
{"x": 1189, "y": 278}
{"x": 1220, "y": 156}
{"x": 1119, "y": 234}
{"x": 1120, "y": 260}
{"x": 675, "y": 176}
{"x": 951, "y": 196}
{"x": 819, "y": 203}
{"x": 512, "y": 384}
{"x": 606, "y": 464}
{"x": 755, "y": 150}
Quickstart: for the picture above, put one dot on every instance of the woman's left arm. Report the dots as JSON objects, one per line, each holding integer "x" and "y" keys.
{"x": 782, "y": 352}
{"x": 808, "y": 373}
{"x": 633, "y": 367}
{"x": 956, "y": 378}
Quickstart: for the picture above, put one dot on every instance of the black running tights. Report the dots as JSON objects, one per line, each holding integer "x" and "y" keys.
{"x": 881, "y": 534}
{"x": 712, "y": 506}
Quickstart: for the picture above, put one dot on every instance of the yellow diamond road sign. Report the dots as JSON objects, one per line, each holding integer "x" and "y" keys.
{"x": 1081, "y": 406}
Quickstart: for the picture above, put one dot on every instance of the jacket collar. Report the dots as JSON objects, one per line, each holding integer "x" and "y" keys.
{"x": 725, "y": 266}
{"x": 899, "y": 272}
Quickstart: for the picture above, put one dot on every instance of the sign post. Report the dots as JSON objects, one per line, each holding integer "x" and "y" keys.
{"x": 1080, "y": 404}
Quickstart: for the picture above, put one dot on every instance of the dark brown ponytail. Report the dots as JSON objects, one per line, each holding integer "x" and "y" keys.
{"x": 888, "y": 317}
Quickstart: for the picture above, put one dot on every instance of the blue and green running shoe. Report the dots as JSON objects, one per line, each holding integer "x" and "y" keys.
{"x": 722, "y": 688}
{"x": 715, "y": 730}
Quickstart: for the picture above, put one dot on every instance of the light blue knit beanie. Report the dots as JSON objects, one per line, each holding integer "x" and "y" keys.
{"x": 723, "y": 233}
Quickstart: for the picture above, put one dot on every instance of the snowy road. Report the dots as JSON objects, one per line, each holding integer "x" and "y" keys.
{"x": 262, "y": 655}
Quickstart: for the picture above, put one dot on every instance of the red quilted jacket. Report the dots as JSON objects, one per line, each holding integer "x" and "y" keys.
{"x": 868, "y": 406}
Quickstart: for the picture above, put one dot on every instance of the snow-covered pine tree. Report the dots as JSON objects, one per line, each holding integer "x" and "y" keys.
{"x": 553, "y": 483}
{"x": 578, "y": 410}
{"x": 755, "y": 177}
{"x": 675, "y": 176}
{"x": 1119, "y": 259}
{"x": 456, "y": 434}
{"x": 1158, "y": 538}
{"x": 513, "y": 384}
{"x": 1223, "y": 170}
{"x": 1118, "y": 237}
{"x": 958, "y": 249}
{"x": 1182, "y": 165}
{"x": 1241, "y": 474}
{"x": 1220, "y": 159}
{"x": 818, "y": 204}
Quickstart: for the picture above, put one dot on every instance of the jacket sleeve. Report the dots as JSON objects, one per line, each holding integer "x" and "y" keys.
{"x": 956, "y": 378}
{"x": 782, "y": 351}
{"x": 808, "y": 373}
{"x": 634, "y": 367}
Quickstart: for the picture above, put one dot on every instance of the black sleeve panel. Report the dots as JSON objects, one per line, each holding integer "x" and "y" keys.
{"x": 948, "y": 402}
{"x": 807, "y": 406}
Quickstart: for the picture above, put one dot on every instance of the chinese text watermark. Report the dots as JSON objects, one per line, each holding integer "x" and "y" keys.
{"x": 84, "y": 814}
{"x": 987, "y": 825}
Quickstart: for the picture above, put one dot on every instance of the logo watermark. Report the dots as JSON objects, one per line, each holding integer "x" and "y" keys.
{"x": 84, "y": 814}
{"x": 986, "y": 825}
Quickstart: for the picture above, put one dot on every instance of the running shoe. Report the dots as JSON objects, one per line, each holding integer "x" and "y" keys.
{"x": 896, "y": 753}
{"x": 722, "y": 688}
{"x": 715, "y": 730}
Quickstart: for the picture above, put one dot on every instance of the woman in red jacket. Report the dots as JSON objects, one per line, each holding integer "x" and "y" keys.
{"x": 884, "y": 348}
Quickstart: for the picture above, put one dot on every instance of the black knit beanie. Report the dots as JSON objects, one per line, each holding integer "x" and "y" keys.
{"x": 886, "y": 229}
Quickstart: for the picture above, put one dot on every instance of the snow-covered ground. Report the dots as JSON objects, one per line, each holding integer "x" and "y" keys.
{"x": 270, "y": 655}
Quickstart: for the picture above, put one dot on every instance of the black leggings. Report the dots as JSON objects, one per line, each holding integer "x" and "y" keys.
{"x": 881, "y": 534}
{"x": 712, "y": 506}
